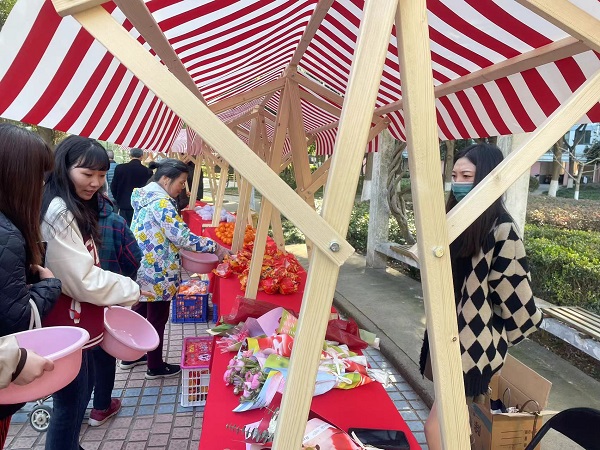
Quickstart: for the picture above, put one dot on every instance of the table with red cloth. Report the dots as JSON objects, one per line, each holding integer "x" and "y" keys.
{"x": 367, "y": 406}
{"x": 194, "y": 221}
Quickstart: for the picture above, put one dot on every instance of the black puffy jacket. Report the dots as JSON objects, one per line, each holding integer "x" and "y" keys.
{"x": 15, "y": 311}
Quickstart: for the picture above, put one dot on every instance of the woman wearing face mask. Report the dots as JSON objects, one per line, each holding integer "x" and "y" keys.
{"x": 161, "y": 233}
{"x": 70, "y": 226}
{"x": 494, "y": 301}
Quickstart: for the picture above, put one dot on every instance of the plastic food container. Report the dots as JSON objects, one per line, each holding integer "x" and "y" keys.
{"x": 196, "y": 262}
{"x": 127, "y": 335}
{"x": 63, "y": 346}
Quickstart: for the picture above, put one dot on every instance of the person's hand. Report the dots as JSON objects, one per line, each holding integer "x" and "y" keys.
{"x": 34, "y": 367}
{"x": 43, "y": 272}
{"x": 221, "y": 252}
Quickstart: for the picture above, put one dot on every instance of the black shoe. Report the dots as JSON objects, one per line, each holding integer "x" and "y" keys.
{"x": 131, "y": 364}
{"x": 166, "y": 371}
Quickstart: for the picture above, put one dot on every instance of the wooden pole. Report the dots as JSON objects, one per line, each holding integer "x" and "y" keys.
{"x": 365, "y": 75}
{"x": 266, "y": 207}
{"x": 428, "y": 197}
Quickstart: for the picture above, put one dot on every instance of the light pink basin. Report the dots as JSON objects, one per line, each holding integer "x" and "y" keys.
{"x": 127, "y": 335}
{"x": 197, "y": 262}
{"x": 59, "y": 344}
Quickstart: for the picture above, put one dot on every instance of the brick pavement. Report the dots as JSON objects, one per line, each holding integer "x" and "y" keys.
{"x": 152, "y": 418}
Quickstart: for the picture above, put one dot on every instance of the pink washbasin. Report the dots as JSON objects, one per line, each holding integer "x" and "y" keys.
{"x": 59, "y": 344}
{"x": 197, "y": 262}
{"x": 127, "y": 335}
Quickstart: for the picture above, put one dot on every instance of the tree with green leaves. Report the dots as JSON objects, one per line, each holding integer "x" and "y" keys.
{"x": 6, "y": 7}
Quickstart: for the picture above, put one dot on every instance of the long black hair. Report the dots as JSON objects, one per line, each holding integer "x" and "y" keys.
{"x": 485, "y": 157}
{"x": 76, "y": 151}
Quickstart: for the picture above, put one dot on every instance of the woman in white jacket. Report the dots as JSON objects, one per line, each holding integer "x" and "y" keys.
{"x": 70, "y": 226}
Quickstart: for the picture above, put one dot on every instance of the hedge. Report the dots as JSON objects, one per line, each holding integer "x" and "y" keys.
{"x": 565, "y": 265}
{"x": 564, "y": 213}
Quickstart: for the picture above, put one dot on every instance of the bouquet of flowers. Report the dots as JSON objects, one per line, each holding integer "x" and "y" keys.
{"x": 245, "y": 374}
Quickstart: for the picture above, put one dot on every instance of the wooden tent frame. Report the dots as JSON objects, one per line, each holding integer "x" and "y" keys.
{"x": 173, "y": 85}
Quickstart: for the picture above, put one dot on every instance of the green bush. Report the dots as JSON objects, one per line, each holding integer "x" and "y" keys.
{"x": 565, "y": 265}
{"x": 534, "y": 183}
{"x": 590, "y": 191}
{"x": 564, "y": 213}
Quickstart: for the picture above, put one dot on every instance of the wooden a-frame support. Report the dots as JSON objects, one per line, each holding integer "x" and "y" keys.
{"x": 352, "y": 135}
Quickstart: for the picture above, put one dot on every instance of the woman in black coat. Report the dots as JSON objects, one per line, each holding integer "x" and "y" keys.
{"x": 24, "y": 159}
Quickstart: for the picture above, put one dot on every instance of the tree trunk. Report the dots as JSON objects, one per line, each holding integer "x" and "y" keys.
{"x": 448, "y": 165}
{"x": 578, "y": 181}
{"x": 395, "y": 194}
{"x": 571, "y": 171}
{"x": 556, "y": 168}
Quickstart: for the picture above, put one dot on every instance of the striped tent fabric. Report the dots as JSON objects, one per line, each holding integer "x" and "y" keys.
{"x": 53, "y": 73}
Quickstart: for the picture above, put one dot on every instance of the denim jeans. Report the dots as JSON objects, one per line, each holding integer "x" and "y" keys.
{"x": 105, "y": 368}
{"x": 69, "y": 407}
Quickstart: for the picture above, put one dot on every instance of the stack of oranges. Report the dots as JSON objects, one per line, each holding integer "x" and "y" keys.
{"x": 249, "y": 235}
{"x": 225, "y": 233}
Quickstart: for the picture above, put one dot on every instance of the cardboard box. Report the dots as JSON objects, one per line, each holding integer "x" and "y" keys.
{"x": 515, "y": 384}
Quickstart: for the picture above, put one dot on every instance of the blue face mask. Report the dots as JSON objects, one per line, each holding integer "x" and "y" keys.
{"x": 461, "y": 189}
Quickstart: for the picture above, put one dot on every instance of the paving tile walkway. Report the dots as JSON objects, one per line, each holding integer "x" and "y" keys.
{"x": 152, "y": 418}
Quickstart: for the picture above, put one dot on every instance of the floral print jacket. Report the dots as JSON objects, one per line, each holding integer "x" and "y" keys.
{"x": 161, "y": 232}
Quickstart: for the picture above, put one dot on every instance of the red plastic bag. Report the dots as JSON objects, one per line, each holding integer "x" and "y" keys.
{"x": 247, "y": 307}
{"x": 345, "y": 332}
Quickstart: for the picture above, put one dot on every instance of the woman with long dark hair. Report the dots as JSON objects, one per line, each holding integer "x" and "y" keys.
{"x": 494, "y": 301}
{"x": 70, "y": 226}
{"x": 24, "y": 159}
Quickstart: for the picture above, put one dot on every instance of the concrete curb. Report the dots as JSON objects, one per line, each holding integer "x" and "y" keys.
{"x": 394, "y": 354}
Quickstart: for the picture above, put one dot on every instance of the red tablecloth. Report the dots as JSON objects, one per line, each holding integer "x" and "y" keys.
{"x": 225, "y": 290}
{"x": 367, "y": 406}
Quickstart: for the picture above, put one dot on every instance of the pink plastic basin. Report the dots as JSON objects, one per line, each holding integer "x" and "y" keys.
{"x": 59, "y": 344}
{"x": 197, "y": 262}
{"x": 127, "y": 335}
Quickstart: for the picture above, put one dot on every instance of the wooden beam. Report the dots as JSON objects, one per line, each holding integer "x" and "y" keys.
{"x": 543, "y": 55}
{"x": 266, "y": 207}
{"x": 245, "y": 189}
{"x": 365, "y": 75}
{"x": 519, "y": 161}
{"x": 298, "y": 143}
{"x": 285, "y": 161}
{"x": 570, "y": 18}
{"x": 311, "y": 98}
{"x": 140, "y": 16}
{"x": 436, "y": 274}
{"x": 99, "y": 23}
{"x": 245, "y": 97}
{"x": 243, "y": 119}
{"x": 69, "y": 7}
{"x": 220, "y": 193}
{"x": 313, "y": 25}
{"x": 377, "y": 128}
{"x": 315, "y": 87}
{"x": 319, "y": 178}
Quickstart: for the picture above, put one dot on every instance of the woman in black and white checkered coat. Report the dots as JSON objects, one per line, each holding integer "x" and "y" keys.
{"x": 494, "y": 301}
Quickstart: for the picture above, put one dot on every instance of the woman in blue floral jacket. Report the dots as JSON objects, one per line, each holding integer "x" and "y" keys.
{"x": 161, "y": 233}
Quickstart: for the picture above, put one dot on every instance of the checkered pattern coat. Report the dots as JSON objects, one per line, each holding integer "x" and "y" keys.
{"x": 496, "y": 308}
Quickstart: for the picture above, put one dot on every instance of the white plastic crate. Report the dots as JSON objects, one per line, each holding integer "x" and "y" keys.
{"x": 194, "y": 386}
{"x": 195, "y": 370}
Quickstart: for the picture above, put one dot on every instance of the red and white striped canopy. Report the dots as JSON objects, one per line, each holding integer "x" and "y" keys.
{"x": 53, "y": 73}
